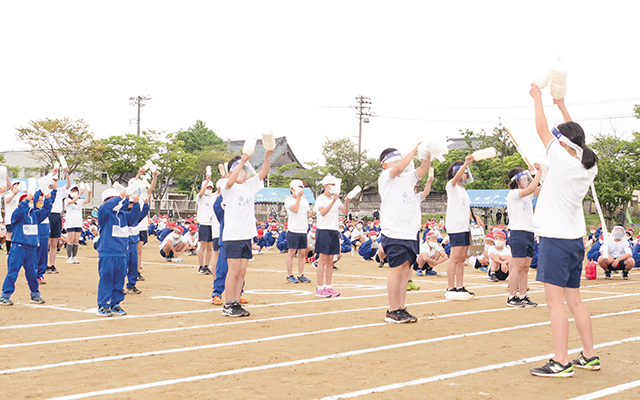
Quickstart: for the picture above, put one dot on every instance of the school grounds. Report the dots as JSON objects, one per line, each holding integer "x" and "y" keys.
{"x": 174, "y": 344}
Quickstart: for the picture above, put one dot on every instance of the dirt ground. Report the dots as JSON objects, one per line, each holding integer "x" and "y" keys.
{"x": 174, "y": 344}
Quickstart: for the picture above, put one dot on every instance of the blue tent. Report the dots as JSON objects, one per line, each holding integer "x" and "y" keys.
{"x": 490, "y": 198}
{"x": 278, "y": 195}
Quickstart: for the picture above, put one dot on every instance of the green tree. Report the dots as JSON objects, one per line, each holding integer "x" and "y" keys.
{"x": 342, "y": 160}
{"x": 198, "y": 137}
{"x": 312, "y": 176}
{"x": 124, "y": 155}
{"x": 48, "y": 139}
{"x": 636, "y": 111}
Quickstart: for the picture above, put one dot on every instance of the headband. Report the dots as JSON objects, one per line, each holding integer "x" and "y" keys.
{"x": 519, "y": 175}
{"x": 235, "y": 165}
{"x": 555, "y": 132}
{"x": 393, "y": 156}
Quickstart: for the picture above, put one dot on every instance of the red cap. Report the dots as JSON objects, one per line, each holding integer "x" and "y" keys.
{"x": 193, "y": 227}
{"x": 260, "y": 232}
{"x": 314, "y": 227}
{"x": 274, "y": 227}
{"x": 372, "y": 233}
{"x": 500, "y": 233}
{"x": 429, "y": 234}
{"x": 22, "y": 198}
{"x": 490, "y": 237}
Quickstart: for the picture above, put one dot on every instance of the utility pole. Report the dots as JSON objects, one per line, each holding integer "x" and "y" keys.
{"x": 138, "y": 101}
{"x": 363, "y": 112}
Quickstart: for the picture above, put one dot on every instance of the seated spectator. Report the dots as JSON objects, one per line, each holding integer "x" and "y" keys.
{"x": 481, "y": 262}
{"x": 173, "y": 245}
{"x": 357, "y": 235}
{"x": 534, "y": 259}
{"x": 345, "y": 242}
{"x": 635, "y": 252}
{"x": 369, "y": 247}
{"x": 311, "y": 245}
{"x": 192, "y": 239}
{"x": 619, "y": 258}
{"x": 594, "y": 252}
{"x": 431, "y": 255}
{"x": 271, "y": 236}
{"x": 629, "y": 235}
{"x": 259, "y": 241}
{"x": 281, "y": 243}
{"x": 500, "y": 257}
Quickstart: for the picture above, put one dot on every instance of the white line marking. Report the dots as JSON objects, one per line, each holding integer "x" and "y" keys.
{"x": 608, "y": 391}
{"x": 343, "y": 355}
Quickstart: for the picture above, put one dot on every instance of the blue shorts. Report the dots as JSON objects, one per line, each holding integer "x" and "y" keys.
{"x": 296, "y": 240}
{"x": 74, "y": 230}
{"x": 560, "y": 262}
{"x": 204, "y": 233}
{"x": 327, "y": 242}
{"x": 399, "y": 251}
{"x": 216, "y": 244}
{"x": 521, "y": 243}
{"x": 55, "y": 221}
{"x": 460, "y": 239}
{"x": 165, "y": 255}
{"x": 238, "y": 249}
{"x": 9, "y": 228}
{"x": 619, "y": 267}
{"x": 144, "y": 237}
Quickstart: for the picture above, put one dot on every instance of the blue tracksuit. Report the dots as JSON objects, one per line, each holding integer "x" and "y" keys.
{"x": 594, "y": 252}
{"x": 366, "y": 251}
{"x": 222, "y": 267}
{"x": 112, "y": 249}
{"x": 132, "y": 252}
{"x": 635, "y": 253}
{"x": 163, "y": 234}
{"x": 269, "y": 240}
{"x": 534, "y": 259}
{"x": 345, "y": 246}
{"x": 43, "y": 249}
{"x": 281, "y": 244}
{"x": 25, "y": 241}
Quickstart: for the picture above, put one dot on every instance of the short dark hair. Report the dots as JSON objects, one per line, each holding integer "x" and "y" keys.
{"x": 450, "y": 172}
{"x": 385, "y": 152}
{"x": 514, "y": 171}
{"x": 230, "y": 163}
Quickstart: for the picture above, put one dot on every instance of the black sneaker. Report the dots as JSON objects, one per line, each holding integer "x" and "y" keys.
{"x": 244, "y": 312}
{"x": 51, "y": 270}
{"x": 202, "y": 270}
{"x": 607, "y": 274}
{"x": 230, "y": 311}
{"x": 380, "y": 264}
{"x": 450, "y": 294}
{"x": 140, "y": 277}
{"x": 553, "y": 369}
{"x": 405, "y": 312}
{"x": 514, "y": 301}
{"x": 464, "y": 290}
{"x": 527, "y": 302}
{"x": 133, "y": 290}
{"x": 625, "y": 275}
{"x": 493, "y": 277}
{"x": 206, "y": 267}
{"x": 592, "y": 364}
{"x": 335, "y": 268}
{"x": 396, "y": 317}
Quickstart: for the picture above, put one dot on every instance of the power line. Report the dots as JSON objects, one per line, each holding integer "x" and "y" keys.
{"x": 583, "y": 103}
{"x": 138, "y": 101}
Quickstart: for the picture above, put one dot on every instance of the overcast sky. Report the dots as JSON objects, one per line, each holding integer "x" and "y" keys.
{"x": 295, "y": 66}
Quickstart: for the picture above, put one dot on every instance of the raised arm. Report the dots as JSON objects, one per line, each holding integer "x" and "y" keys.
{"x": 541, "y": 120}
{"x": 264, "y": 172}
{"x": 563, "y": 109}
{"x": 463, "y": 168}
{"x": 234, "y": 175}
{"x": 66, "y": 174}
{"x": 402, "y": 164}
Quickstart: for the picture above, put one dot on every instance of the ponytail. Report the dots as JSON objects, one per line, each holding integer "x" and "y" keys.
{"x": 574, "y": 132}
{"x": 589, "y": 158}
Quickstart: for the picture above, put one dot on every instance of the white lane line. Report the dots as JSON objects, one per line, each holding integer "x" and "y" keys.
{"x": 608, "y": 391}
{"x": 472, "y": 371}
{"x": 343, "y": 355}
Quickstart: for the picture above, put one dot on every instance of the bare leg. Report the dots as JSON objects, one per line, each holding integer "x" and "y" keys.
{"x": 455, "y": 269}
{"x": 300, "y": 262}
{"x": 559, "y": 322}
{"x": 289, "y": 261}
{"x": 397, "y": 286}
{"x": 582, "y": 318}
{"x": 325, "y": 261}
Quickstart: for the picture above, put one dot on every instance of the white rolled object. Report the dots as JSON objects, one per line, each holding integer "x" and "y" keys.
{"x": 354, "y": 192}
{"x": 22, "y": 186}
{"x": 32, "y": 186}
{"x": 134, "y": 186}
{"x": 250, "y": 144}
{"x": 117, "y": 186}
{"x": 558, "y": 86}
{"x": 3, "y": 176}
{"x": 150, "y": 166}
{"x": 56, "y": 165}
{"x": 336, "y": 187}
{"x": 433, "y": 148}
{"x": 542, "y": 80}
{"x": 223, "y": 169}
{"x": 87, "y": 187}
{"x": 483, "y": 154}
{"x": 208, "y": 170}
{"x": 268, "y": 141}
{"x": 63, "y": 162}
{"x": 44, "y": 185}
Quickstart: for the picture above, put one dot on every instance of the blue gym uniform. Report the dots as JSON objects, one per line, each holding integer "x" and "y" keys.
{"x": 366, "y": 251}
{"x": 222, "y": 267}
{"x": 281, "y": 244}
{"x": 132, "y": 252}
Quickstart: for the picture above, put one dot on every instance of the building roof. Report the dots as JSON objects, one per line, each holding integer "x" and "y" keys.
{"x": 460, "y": 144}
{"x": 282, "y": 154}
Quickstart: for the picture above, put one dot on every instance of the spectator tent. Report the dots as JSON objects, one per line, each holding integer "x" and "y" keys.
{"x": 487, "y": 198}
{"x": 270, "y": 197}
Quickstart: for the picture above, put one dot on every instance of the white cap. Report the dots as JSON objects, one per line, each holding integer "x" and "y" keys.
{"x": 221, "y": 182}
{"x": 329, "y": 180}
{"x": 209, "y": 185}
{"x": 111, "y": 192}
{"x": 296, "y": 183}
{"x": 14, "y": 181}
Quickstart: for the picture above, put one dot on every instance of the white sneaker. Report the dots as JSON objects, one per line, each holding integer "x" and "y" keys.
{"x": 70, "y": 260}
{"x": 75, "y": 260}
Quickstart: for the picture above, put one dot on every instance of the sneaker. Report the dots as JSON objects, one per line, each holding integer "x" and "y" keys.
{"x": 380, "y": 264}
{"x": 75, "y": 260}
{"x": 419, "y": 273}
{"x": 315, "y": 264}
{"x": 167, "y": 259}
{"x": 176, "y": 259}
{"x": 412, "y": 286}
{"x": 493, "y": 277}
{"x": 405, "y": 312}
{"x": 244, "y": 312}
{"x": 202, "y": 270}
{"x": 527, "y": 302}
{"x": 592, "y": 364}
{"x": 140, "y": 277}
{"x": 322, "y": 293}
{"x": 450, "y": 294}
{"x": 207, "y": 270}
{"x": 430, "y": 272}
{"x": 37, "y": 300}
{"x": 483, "y": 269}
{"x": 230, "y": 310}
{"x": 396, "y": 317}
{"x": 216, "y": 301}
{"x": 117, "y": 310}
{"x": 291, "y": 279}
{"x": 41, "y": 280}
{"x": 53, "y": 270}
{"x": 133, "y": 290}
{"x": 332, "y": 292}
{"x": 607, "y": 274}
{"x": 243, "y": 300}
{"x": 625, "y": 275}
{"x": 553, "y": 369}
{"x": 104, "y": 312}
{"x": 5, "y": 301}
{"x": 303, "y": 279}
{"x": 515, "y": 302}
{"x": 70, "y": 260}
{"x": 464, "y": 290}
{"x": 335, "y": 268}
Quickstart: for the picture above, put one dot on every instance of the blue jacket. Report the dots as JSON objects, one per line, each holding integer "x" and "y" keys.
{"x": 635, "y": 253}
{"x": 114, "y": 227}
{"x": 366, "y": 251}
{"x": 219, "y": 211}
{"x": 134, "y": 232}
{"x": 281, "y": 244}
{"x": 594, "y": 252}
{"x": 25, "y": 220}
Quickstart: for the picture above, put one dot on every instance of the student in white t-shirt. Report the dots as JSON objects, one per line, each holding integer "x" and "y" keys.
{"x": 431, "y": 255}
{"x": 240, "y": 225}
{"x": 298, "y": 211}
{"x": 499, "y": 258}
{"x": 559, "y": 224}
{"x": 204, "y": 200}
{"x": 521, "y": 237}
{"x": 620, "y": 256}
{"x": 55, "y": 219}
{"x": 73, "y": 221}
{"x": 327, "y": 209}
{"x": 458, "y": 217}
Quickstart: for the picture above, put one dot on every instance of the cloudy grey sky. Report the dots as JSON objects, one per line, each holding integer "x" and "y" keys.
{"x": 295, "y": 67}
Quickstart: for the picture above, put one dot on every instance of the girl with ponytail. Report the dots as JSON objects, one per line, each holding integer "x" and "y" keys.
{"x": 559, "y": 223}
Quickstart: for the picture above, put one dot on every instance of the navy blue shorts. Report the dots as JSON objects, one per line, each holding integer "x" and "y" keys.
{"x": 399, "y": 251}
{"x": 144, "y": 237}
{"x": 204, "y": 233}
{"x": 560, "y": 261}
{"x": 55, "y": 221}
{"x": 74, "y": 230}
{"x": 460, "y": 239}
{"x": 296, "y": 240}
{"x": 9, "y": 228}
{"x": 619, "y": 267}
{"x": 164, "y": 255}
{"x": 521, "y": 243}
{"x": 216, "y": 244}
{"x": 238, "y": 249}
{"x": 327, "y": 242}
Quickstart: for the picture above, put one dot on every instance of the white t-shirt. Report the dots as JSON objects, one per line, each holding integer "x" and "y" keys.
{"x": 144, "y": 223}
{"x": 458, "y": 209}
{"x": 174, "y": 242}
{"x": 10, "y": 207}
{"x": 330, "y": 220}
{"x": 192, "y": 239}
{"x": 297, "y": 221}
{"x": 73, "y": 218}
{"x": 400, "y": 207}
{"x": 520, "y": 211}
{"x": 618, "y": 249}
{"x": 240, "y": 218}
{"x": 205, "y": 213}
{"x": 430, "y": 251}
{"x": 506, "y": 251}
{"x": 61, "y": 194}
{"x": 559, "y": 212}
